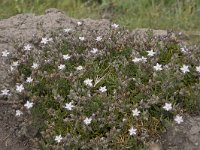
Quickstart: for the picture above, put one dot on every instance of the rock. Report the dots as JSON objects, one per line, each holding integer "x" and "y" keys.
{"x": 185, "y": 136}
{"x": 155, "y": 146}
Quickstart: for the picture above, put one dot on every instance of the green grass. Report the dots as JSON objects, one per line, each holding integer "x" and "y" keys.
{"x": 157, "y": 14}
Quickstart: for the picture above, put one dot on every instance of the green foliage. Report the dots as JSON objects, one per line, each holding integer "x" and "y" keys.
{"x": 93, "y": 106}
{"x": 24, "y": 69}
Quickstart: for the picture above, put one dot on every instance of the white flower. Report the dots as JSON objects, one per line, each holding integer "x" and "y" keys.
{"x": 35, "y": 66}
{"x": 44, "y": 41}
{"x": 15, "y": 64}
{"x": 184, "y": 49}
{"x": 5, "y": 53}
{"x": 185, "y": 69}
{"x": 198, "y": 68}
{"x": 102, "y": 89}
{"x": 87, "y": 120}
{"x": 99, "y": 38}
{"x": 69, "y": 106}
{"x": 19, "y": 88}
{"x": 82, "y": 38}
{"x": 66, "y": 57}
{"x": 79, "y": 23}
{"x": 151, "y": 53}
{"x": 94, "y": 50}
{"x": 27, "y": 47}
{"x": 29, "y": 80}
{"x": 50, "y": 39}
{"x": 61, "y": 66}
{"x": 132, "y": 131}
{"x": 167, "y": 106}
{"x": 178, "y": 119}
{"x": 157, "y": 67}
{"x": 135, "y": 112}
{"x": 5, "y": 92}
{"x": 144, "y": 59}
{"x": 114, "y": 25}
{"x": 67, "y": 30}
{"x": 135, "y": 60}
{"x": 11, "y": 68}
{"x": 28, "y": 105}
{"x": 124, "y": 119}
{"x": 58, "y": 138}
{"x": 88, "y": 82}
{"x": 18, "y": 113}
{"x": 79, "y": 68}
{"x": 47, "y": 60}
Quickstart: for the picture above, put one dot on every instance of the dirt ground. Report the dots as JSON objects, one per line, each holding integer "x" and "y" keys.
{"x": 26, "y": 28}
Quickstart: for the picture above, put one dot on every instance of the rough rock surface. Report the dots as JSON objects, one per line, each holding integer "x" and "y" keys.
{"x": 25, "y": 28}
{"x": 183, "y": 137}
